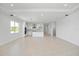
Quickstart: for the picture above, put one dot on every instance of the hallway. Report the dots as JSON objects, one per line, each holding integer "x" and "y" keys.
{"x": 46, "y": 46}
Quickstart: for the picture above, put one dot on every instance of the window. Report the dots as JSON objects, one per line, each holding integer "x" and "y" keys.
{"x": 14, "y": 27}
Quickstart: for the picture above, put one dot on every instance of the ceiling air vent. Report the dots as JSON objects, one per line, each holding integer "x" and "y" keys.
{"x": 11, "y": 15}
{"x": 66, "y": 15}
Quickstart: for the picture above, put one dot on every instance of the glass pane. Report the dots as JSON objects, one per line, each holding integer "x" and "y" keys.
{"x": 12, "y": 23}
{"x": 16, "y": 24}
{"x": 16, "y": 27}
{"x": 12, "y": 27}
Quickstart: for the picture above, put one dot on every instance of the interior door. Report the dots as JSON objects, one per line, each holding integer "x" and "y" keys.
{"x": 54, "y": 29}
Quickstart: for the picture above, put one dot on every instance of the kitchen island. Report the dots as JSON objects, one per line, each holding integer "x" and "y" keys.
{"x": 37, "y": 34}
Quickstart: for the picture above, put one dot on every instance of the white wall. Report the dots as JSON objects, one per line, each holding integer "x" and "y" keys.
{"x": 68, "y": 28}
{"x": 5, "y": 35}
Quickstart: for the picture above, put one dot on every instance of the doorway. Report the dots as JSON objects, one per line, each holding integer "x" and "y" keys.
{"x": 54, "y": 30}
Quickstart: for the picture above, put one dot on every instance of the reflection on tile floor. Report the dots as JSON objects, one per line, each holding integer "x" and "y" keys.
{"x": 46, "y": 46}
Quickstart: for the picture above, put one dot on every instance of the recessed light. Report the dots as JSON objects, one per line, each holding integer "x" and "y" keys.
{"x": 42, "y": 14}
{"x": 11, "y": 5}
{"x": 65, "y": 4}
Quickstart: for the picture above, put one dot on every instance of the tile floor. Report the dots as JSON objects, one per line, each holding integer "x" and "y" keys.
{"x": 47, "y": 46}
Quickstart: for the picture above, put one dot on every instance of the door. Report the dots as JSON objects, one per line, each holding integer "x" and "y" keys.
{"x": 54, "y": 29}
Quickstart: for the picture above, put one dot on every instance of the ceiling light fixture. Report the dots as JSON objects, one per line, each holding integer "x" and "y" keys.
{"x": 65, "y": 4}
{"x": 42, "y": 14}
{"x": 11, "y": 5}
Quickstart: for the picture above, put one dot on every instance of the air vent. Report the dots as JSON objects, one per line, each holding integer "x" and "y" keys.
{"x": 66, "y": 15}
{"x": 11, "y": 15}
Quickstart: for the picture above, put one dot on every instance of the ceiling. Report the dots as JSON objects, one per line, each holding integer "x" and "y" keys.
{"x": 40, "y": 12}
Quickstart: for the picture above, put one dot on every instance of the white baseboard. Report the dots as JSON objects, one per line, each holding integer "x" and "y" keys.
{"x": 69, "y": 41}
{"x": 8, "y": 41}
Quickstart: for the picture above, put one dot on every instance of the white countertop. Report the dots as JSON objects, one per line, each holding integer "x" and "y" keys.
{"x": 37, "y": 34}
